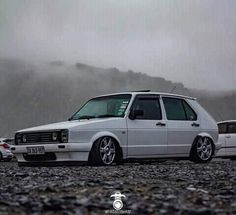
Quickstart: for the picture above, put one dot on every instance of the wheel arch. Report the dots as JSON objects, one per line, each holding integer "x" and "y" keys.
{"x": 202, "y": 134}
{"x": 101, "y": 134}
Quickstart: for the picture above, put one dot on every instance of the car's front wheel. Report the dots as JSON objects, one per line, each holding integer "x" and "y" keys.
{"x": 104, "y": 152}
{"x": 202, "y": 150}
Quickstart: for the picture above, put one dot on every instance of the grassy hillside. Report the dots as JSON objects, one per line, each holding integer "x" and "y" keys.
{"x": 33, "y": 94}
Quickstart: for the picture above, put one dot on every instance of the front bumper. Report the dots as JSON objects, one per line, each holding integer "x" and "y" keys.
{"x": 61, "y": 152}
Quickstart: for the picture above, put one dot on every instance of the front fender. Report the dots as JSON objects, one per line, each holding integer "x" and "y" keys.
{"x": 103, "y": 134}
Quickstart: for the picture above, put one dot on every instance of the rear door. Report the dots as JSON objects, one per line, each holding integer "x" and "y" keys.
{"x": 222, "y": 127}
{"x": 147, "y": 134}
{"x": 183, "y": 125}
{"x": 230, "y": 139}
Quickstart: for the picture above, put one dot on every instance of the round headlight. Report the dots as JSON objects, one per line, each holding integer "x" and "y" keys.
{"x": 17, "y": 139}
{"x": 54, "y": 136}
{"x": 24, "y": 140}
{"x": 64, "y": 136}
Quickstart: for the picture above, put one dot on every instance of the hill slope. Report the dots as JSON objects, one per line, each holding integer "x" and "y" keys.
{"x": 37, "y": 94}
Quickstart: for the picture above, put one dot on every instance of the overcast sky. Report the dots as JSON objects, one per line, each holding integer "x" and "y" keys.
{"x": 189, "y": 41}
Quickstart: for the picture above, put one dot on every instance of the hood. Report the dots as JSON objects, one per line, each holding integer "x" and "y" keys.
{"x": 68, "y": 124}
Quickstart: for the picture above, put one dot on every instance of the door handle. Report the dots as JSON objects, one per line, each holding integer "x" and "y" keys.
{"x": 160, "y": 124}
{"x": 195, "y": 124}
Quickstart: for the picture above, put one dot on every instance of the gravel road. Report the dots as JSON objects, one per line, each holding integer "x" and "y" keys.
{"x": 158, "y": 188}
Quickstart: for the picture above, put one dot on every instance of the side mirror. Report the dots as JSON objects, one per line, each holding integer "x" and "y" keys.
{"x": 134, "y": 113}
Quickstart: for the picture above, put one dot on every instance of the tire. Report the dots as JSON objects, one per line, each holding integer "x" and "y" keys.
{"x": 202, "y": 150}
{"x": 105, "y": 152}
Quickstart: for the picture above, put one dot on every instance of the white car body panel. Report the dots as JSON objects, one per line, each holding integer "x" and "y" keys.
{"x": 137, "y": 138}
{"x": 228, "y": 142}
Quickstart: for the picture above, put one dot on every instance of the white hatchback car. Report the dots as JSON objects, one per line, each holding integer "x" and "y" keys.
{"x": 133, "y": 125}
{"x": 227, "y": 138}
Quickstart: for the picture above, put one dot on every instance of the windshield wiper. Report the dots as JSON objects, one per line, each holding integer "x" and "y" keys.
{"x": 106, "y": 115}
{"x": 83, "y": 117}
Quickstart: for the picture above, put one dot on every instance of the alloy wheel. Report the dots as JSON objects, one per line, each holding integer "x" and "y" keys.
{"x": 107, "y": 150}
{"x": 204, "y": 148}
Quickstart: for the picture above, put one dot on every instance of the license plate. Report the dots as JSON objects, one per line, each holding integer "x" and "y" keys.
{"x": 37, "y": 150}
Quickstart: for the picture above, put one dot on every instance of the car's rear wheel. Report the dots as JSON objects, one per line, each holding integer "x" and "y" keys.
{"x": 104, "y": 152}
{"x": 202, "y": 150}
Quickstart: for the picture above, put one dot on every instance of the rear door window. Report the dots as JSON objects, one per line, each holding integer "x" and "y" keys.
{"x": 232, "y": 128}
{"x": 222, "y": 128}
{"x": 178, "y": 109}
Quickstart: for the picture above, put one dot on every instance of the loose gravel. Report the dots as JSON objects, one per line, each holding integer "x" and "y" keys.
{"x": 157, "y": 188}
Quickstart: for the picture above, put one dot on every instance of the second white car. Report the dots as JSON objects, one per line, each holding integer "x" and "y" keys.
{"x": 227, "y": 138}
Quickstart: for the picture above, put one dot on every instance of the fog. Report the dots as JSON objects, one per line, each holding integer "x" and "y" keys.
{"x": 193, "y": 42}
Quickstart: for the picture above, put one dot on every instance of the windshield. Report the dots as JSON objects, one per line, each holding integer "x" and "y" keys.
{"x": 106, "y": 106}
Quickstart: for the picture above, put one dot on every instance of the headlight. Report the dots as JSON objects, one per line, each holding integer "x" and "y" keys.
{"x": 24, "y": 140}
{"x": 64, "y": 136}
{"x": 54, "y": 136}
{"x": 17, "y": 139}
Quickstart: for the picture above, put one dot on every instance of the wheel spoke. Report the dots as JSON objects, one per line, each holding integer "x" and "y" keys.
{"x": 209, "y": 147}
{"x": 107, "y": 150}
{"x": 109, "y": 142}
{"x": 102, "y": 150}
{"x": 205, "y": 141}
{"x": 104, "y": 158}
{"x": 199, "y": 149}
{"x": 112, "y": 150}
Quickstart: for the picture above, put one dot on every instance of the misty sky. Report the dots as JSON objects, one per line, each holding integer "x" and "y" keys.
{"x": 188, "y": 41}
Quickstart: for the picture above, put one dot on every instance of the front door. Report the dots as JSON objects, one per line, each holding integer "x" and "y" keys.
{"x": 147, "y": 134}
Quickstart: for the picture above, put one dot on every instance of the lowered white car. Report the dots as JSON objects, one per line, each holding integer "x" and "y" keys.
{"x": 132, "y": 125}
{"x": 227, "y": 138}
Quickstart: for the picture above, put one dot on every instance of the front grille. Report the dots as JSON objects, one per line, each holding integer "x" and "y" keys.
{"x": 53, "y": 136}
{"x": 39, "y": 137}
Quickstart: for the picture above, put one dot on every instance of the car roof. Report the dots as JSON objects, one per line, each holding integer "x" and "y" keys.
{"x": 145, "y": 92}
{"x": 225, "y": 121}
